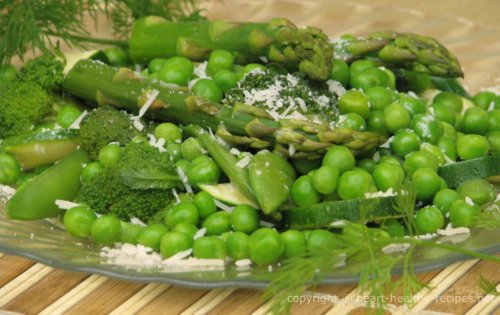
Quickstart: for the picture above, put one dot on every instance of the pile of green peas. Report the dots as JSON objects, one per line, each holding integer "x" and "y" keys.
{"x": 222, "y": 73}
{"x": 237, "y": 234}
{"x": 422, "y": 137}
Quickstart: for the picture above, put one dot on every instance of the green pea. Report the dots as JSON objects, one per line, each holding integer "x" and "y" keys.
{"x": 237, "y": 245}
{"x": 463, "y": 214}
{"x": 156, "y": 64}
{"x": 449, "y": 131}
{"x": 151, "y": 236}
{"x": 420, "y": 159}
{"x": 494, "y": 120}
{"x": 117, "y": 56}
{"x": 379, "y": 97}
{"x": 181, "y": 212}
{"x": 208, "y": 89}
{"x": 494, "y": 141}
{"x": 443, "y": 113}
{"x": 217, "y": 223}
{"x": 191, "y": 148}
{"x": 183, "y": 164}
{"x": 265, "y": 246}
{"x": 251, "y": 67}
{"x": 396, "y": 117}
{"x": 448, "y": 147}
{"x": 78, "y": 221}
{"x": 219, "y": 60}
{"x": 67, "y": 115}
{"x": 435, "y": 151}
{"x": 174, "y": 242}
{"x": 427, "y": 127}
{"x": 355, "y": 184}
{"x": 245, "y": 218}
{"x": 405, "y": 142}
{"x": 226, "y": 80}
{"x": 168, "y": 131}
{"x": 388, "y": 175}
{"x": 340, "y": 157}
{"x": 368, "y": 78}
{"x": 352, "y": 121}
{"x": 303, "y": 192}
{"x": 361, "y": 65}
{"x": 90, "y": 171}
{"x": 393, "y": 227}
{"x": 426, "y": 183}
{"x": 480, "y": 191}
{"x": 320, "y": 240}
{"x": 176, "y": 70}
{"x": 390, "y": 159}
{"x": 475, "y": 121}
{"x": 472, "y": 146}
{"x": 174, "y": 151}
{"x": 444, "y": 199}
{"x": 203, "y": 171}
{"x": 376, "y": 123}
{"x": 325, "y": 179}
{"x": 391, "y": 76}
{"x": 106, "y": 230}
{"x": 209, "y": 247}
{"x": 295, "y": 243}
{"x": 429, "y": 220}
{"x": 130, "y": 232}
{"x": 10, "y": 169}
{"x": 205, "y": 204}
{"x": 354, "y": 101}
{"x": 340, "y": 72}
{"x": 109, "y": 155}
{"x": 450, "y": 100}
{"x": 186, "y": 228}
{"x": 367, "y": 164}
{"x": 483, "y": 99}
{"x": 412, "y": 104}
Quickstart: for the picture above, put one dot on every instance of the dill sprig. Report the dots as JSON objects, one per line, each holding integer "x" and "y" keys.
{"x": 30, "y": 25}
{"x": 362, "y": 248}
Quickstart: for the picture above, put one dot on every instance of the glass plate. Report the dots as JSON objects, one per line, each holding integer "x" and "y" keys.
{"x": 477, "y": 48}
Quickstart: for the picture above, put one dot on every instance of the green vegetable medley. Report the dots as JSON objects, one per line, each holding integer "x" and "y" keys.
{"x": 259, "y": 141}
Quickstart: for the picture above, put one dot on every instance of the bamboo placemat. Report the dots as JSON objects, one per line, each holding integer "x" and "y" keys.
{"x": 32, "y": 288}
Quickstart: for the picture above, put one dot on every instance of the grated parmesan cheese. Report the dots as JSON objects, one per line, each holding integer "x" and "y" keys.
{"x": 184, "y": 180}
{"x": 65, "y": 205}
{"x": 243, "y": 162}
{"x": 151, "y": 98}
{"x": 76, "y": 123}
{"x": 223, "y": 206}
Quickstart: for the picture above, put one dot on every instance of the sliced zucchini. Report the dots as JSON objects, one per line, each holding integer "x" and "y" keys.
{"x": 323, "y": 214}
{"x": 456, "y": 173}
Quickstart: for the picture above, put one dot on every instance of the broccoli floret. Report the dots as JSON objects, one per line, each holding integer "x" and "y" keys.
{"x": 45, "y": 70}
{"x": 103, "y": 126}
{"x": 108, "y": 191}
{"x": 282, "y": 94}
{"x": 22, "y": 105}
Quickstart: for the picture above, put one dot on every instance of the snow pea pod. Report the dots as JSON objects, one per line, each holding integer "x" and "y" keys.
{"x": 271, "y": 177}
{"x": 36, "y": 199}
{"x": 42, "y": 148}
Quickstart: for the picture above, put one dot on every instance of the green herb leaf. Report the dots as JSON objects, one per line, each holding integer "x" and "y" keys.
{"x": 150, "y": 177}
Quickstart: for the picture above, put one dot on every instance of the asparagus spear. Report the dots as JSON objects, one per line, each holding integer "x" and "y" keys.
{"x": 402, "y": 50}
{"x": 306, "y": 49}
{"x": 242, "y": 124}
